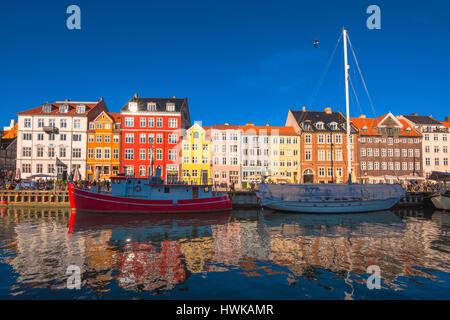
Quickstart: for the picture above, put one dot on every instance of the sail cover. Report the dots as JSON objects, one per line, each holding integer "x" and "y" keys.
{"x": 324, "y": 192}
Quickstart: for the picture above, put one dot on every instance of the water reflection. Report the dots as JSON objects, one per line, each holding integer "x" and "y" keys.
{"x": 267, "y": 254}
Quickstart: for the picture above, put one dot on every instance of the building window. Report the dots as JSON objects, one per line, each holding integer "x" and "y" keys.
{"x": 98, "y": 153}
{"x": 51, "y": 152}
{"x": 159, "y": 138}
{"x": 173, "y": 122}
{"x": 142, "y": 171}
{"x": 142, "y": 122}
{"x": 159, "y": 122}
{"x": 170, "y": 107}
{"x": 107, "y": 153}
{"x": 129, "y": 122}
{"x": 76, "y": 153}
{"x": 338, "y": 155}
{"x": 116, "y": 154}
{"x": 159, "y": 154}
{"x": 107, "y": 139}
{"x": 129, "y": 154}
{"x": 173, "y": 138}
{"x": 27, "y": 124}
{"x": 77, "y": 123}
{"x": 173, "y": 155}
{"x": 39, "y": 168}
{"x": 41, "y": 123}
{"x": 129, "y": 138}
{"x": 151, "y": 122}
{"x": 142, "y": 153}
{"x": 308, "y": 155}
{"x": 90, "y": 153}
{"x": 26, "y": 152}
{"x": 62, "y": 152}
{"x": 26, "y": 168}
{"x": 142, "y": 138}
{"x": 321, "y": 172}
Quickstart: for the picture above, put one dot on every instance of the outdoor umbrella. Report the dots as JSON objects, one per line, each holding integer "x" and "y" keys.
{"x": 77, "y": 175}
{"x": 18, "y": 174}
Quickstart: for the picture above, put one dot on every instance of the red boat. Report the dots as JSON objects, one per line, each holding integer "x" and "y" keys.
{"x": 134, "y": 195}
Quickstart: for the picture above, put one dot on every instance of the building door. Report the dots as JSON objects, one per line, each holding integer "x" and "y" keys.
{"x": 172, "y": 176}
{"x": 308, "y": 176}
{"x": 205, "y": 176}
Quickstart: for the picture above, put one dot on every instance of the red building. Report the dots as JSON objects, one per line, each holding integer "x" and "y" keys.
{"x": 151, "y": 132}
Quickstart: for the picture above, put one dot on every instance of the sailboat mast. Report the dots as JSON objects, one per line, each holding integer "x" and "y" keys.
{"x": 347, "y": 108}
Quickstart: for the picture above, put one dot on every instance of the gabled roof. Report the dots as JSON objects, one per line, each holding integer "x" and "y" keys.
{"x": 114, "y": 117}
{"x": 314, "y": 117}
{"x": 367, "y": 126}
{"x": 180, "y": 103}
{"x": 424, "y": 120}
{"x": 11, "y": 134}
{"x": 72, "y": 110}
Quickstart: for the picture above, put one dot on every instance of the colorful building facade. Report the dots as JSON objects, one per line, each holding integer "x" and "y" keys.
{"x": 389, "y": 149}
{"x": 103, "y": 146}
{"x": 284, "y": 155}
{"x": 151, "y": 133}
{"x": 225, "y": 154}
{"x": 323, "y": 141}
{"x": 196, "y": 156}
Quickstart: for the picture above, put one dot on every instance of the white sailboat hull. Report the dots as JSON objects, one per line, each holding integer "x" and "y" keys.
{"x": 441, "y": 202}
{"x": 331, "y": 207}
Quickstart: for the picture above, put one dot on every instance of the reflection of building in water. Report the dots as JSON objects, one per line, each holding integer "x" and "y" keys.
{"x": 144, "y": 266}
{"x": 197, "y": 252}
{"x": 44, "y": 249}
{"x": 99, "y": 259}
{"x": 395, "y": 251}
{"x": 226, "y": 245}
{"x": 254, "y": 243}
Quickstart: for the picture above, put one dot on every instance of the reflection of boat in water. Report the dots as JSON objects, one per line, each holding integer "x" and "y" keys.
{"x": 335, "y": 225}
{"x": 173, "y": 225}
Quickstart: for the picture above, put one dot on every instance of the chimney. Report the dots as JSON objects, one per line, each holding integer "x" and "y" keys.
{"x": 363, "y": 116}
{"x": 226, "y": 123}
{"x": 304, "y": 108}
{"x": 101, "y": 98}
{"x": 249, "y": 124}
{"x": 135, "y": 95}
{"x": 328, "y": 110}
{"x": 174, "y": 97}
{"x": 267, "y": 124}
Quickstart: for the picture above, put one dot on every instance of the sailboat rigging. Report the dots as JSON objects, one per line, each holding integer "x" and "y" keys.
{"x": 333, "y": 198}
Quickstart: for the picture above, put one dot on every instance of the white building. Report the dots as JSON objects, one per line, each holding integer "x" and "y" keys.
{"x": 435, "y": 142}
{"x": 52, "y": 138}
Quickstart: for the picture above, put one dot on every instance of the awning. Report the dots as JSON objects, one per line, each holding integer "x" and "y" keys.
{"x": 439, "y": 176}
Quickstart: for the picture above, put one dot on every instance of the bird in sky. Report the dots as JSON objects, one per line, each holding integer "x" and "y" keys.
{"x": 316, "y": 43}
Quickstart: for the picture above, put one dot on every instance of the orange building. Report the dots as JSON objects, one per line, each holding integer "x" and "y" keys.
{"x": 103, "y": 146}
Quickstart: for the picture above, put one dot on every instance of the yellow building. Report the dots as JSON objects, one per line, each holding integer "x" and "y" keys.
{"x": 103, "y": 146}
{"x": 196, "y": 156}
{"x": 284, "y": 155}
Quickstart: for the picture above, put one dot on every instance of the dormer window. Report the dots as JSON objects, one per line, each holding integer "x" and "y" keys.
{"x": 151, "y": 106}
{"x": 170, "y": 107}
{"x": 364, "y": 129}
{"x": 46, "y": 108}
{"x": 64, "y": 108}
{"x": 81, "y": 108}
{"x": 132, "y": 106}
{"x": 307, "y": 126}
{"x": 319, "y": 125}
{"x": 333, "y": 126}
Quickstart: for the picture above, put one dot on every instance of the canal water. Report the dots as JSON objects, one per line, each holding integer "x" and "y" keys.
{"x": 234, "y": 255}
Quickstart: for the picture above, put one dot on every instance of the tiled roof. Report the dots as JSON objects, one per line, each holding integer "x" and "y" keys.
{"x": 11, "y": 134}
{"x": 256, "y": 129}
{"x": 115, "y": 116}
{"x": 371, "y": 123}
{"x": 446, "y": 123}
{"x": 55, "y": 107}
{"x": 160, "y": 103}
{"x": 422, "y": 119}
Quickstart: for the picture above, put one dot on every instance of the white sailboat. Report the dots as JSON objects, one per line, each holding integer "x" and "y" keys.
{"x": 332, "y": 198}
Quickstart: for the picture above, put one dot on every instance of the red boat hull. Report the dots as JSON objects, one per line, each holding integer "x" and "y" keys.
{"x": 84, "y": 200}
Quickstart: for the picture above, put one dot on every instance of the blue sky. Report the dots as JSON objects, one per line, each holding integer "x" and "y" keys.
{"x": 236, "y": 61}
